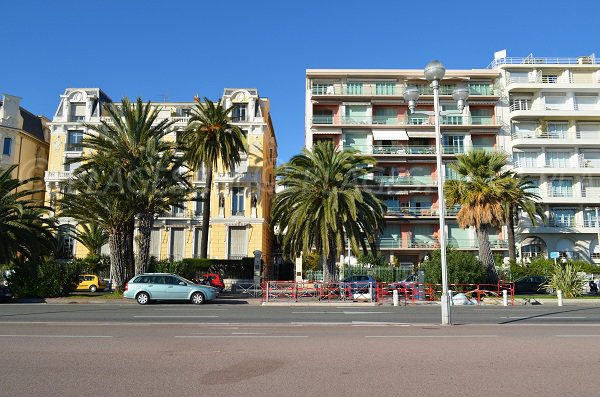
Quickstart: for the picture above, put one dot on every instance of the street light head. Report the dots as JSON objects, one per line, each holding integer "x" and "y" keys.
{"x": 460, "y": 94}
{"x": 411, "y": 95}
{"x": 434, "y": 71}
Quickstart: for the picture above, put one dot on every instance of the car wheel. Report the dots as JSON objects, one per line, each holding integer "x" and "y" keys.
{"x": 142, "y": 298}
{"x": 197, "y": 298}
{"x": 93, "y": 288}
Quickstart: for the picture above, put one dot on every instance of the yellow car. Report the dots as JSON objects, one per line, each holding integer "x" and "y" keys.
{"x": 90, "y": 282}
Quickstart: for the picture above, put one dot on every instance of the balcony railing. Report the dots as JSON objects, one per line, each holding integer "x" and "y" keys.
{"x": 528, "y": 105}
{"x": 474, "y": 243}
{"x": 562, "y": 135}
{"x": 419, "y": 211}
{"x": 390, "y": 89}
{"x": 417, "y": 149}
{"x": 57, "y": 175}
{"x": 406, "y": 120}
{"x": 573, "y": 164}
{"x": 404, "y": 180}
{"x": 237, "y": 176}
{"x": 590, "y": 59}
{"x": 73, "y": 147}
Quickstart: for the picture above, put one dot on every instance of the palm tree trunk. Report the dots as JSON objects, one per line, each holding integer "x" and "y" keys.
{"x": 329, "y": 263}
{"x": 118, "y": 241}
{"x": 485, "y": 254}
{"x": 145, "y": 225}
{"x": 206, "y": 213}
{"x": 510, "y": 226}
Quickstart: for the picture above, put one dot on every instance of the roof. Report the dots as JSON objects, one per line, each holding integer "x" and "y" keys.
{"x": 31, "y": 123}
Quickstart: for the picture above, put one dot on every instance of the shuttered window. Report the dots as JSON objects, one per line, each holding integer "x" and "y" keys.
{"x": 238, "y": 242}
{"x": 176, "y": 244}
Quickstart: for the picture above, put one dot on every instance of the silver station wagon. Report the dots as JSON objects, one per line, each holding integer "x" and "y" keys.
{"x": 148, "y": 287}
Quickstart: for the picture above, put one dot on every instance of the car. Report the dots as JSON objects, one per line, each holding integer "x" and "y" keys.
{"x": 148, "y": 287}
{"x": 530, "y": 285}
{"x": 6, "y": 293}
{"x": 212, "y": 279}
{"x": 407, "y": 283}
{"x": 90, "y": 282}
{"x": 359, "y": 286}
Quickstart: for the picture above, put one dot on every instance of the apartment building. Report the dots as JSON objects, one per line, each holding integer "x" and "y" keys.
{"x": 241, "y": 198}
{"x": 364, "y": 110}
{"x": 25, "y": 142}
{"x": 552, "y": 110}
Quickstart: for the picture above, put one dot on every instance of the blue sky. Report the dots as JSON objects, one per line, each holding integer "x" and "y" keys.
{"x": 175, "y": 49}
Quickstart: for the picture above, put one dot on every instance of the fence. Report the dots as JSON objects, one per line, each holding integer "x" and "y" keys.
{"x": 381, "y": 273}
{"x": 409, "y": 293}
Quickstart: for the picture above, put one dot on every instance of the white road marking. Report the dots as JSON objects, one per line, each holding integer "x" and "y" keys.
{"x": 578, "y": 336}
{"x": 515, "y": 317}
{"x": 56, "y": 336}
{"x": 175, "y": 316}
{"x": 431, "y": 336}
{"x": 343, "y": 312}
{"x": 248, "y": 333}
{"x": 192, "y": 309}
{"x": 538, "y": 317}
{"x": 242, "y": 336}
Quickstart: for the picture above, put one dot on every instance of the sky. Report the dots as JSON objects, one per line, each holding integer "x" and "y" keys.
{"x": 172, "y": 50}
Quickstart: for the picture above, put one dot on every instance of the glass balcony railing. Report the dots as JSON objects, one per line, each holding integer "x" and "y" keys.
{"x": 389, "y": 242}
{"x": 406, "y": 120}
{"x": 391, "y": 89}
{"x": 404, "y": 180}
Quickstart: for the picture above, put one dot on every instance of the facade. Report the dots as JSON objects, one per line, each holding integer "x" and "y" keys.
{"x": 241, "y": 198}
{"x": 364, "y": 110}
{"x": 552, "y": 112}
{"x": 25, "y": 141}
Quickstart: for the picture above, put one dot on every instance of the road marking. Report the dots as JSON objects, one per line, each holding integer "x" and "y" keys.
{"x": 175, "y": 316}
{"x": 431, "y": 336}
{"x": 343, "y": 312}
{"x": 248, "y": 333}
{"x": 193, "y": 309}
{"x": 242, "y": 336}
{"x": 578, "y": 336}
{"x": 515, "y": 317}
{"x": 560, "y": 317}
{"x": 56, "y": 336}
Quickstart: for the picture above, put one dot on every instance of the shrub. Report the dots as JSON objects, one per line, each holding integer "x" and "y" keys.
{"x": 47, "y": 279}
{"x": 193, "y": 267}
{"x": 566, "y": 278}
{"x": 463, "y": 268}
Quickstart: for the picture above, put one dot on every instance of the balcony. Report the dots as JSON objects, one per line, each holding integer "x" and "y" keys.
{"x": 412, "y": 120}
{"x": 405, "y": 180}
{"x": 397, "y": 210}
{"x": 74, "y": 147}
{"x": 549, "y": 137}
{"x": 527, "y": 105}
{"x": 390, "y": 89}
{"x": 395, "y": 150}
{"x": 57, "y": 176}
{"x": 531, "y": 60}
{"x": 237, "y": 177}
{"x": 474, "y": 244}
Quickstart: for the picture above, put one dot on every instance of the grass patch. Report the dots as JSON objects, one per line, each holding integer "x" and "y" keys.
{"x": 90, "y": 295}
{"x": 548, "y": 296}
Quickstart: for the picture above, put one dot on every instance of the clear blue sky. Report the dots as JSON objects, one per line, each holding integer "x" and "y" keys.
{"x": 173, "y": 48}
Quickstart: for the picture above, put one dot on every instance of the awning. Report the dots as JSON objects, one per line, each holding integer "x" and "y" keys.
{"x": 421, "y": 134}
{"x": 390, "y": 135}
{"x": 329, "y": 131}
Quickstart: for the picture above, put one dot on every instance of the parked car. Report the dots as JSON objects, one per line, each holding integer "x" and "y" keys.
{"x": 90, "y": 282}
{"x": 359, "y": 286}
{"x": 406, "y": 283}
{"x": 214, "y": 280}
{"x": 148, "y": 287}
{"x": 6, "y": 293}
{"x": 530, "y": 285}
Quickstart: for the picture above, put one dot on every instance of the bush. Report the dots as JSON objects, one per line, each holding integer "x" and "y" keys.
{"x": 463, "y": 268}
{"x": 545, "y": 267}
{"x": 566, "y": 278}
{"x": 47, "y": 279}
{"x": 193, "y": 267}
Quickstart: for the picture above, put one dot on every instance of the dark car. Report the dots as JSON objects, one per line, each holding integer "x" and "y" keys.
{"x": 6, "y": 293}
{"x": 358, "y": 286}
{"x": 530, "y": 285}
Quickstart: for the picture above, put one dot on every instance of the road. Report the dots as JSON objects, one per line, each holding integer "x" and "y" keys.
{"x": 251, "y": 350}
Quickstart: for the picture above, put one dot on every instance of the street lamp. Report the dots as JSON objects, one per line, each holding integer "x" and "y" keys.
{"x": 434, "y": 72}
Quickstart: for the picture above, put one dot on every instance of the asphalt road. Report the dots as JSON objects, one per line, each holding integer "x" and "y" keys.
{"x": 251, "y": 350}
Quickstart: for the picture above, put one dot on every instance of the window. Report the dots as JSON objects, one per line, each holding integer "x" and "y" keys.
{"x": 199, "y": 206}
{"x": 237, "y": 204}
{"x": 238, "y": 242}
{"x": 562, "y": 216}
{"x": 454, "y": 144}
{"x": 481, "y": 116}
{"x": 7, "y": 147}
{"x": 557, "y": 129}
{"x": 525, "y": 159}
{"x": 323, "y": 116}
{"x": 586, "y": 102}
{"x": 588, "y": 130}
{"x": 355, "y": 88}
{"x": 239, "y": 112}
{"x": 555, "y": 101}
{"x": 356, "y": 114}
{"x": 77, "y": 111}
{"x": 356, "y": 142}
{"x": 589, "y": 217}
{"x": 533, "y": 186}
{"x": 385, "y": 88}
{"x": 558, "y": 159}
{"x": 155, "y": 242}
{"x": 385, "y": 116}
{"x": 197, "y": 242}
{"x": 177, "y": 244}
{"x": 178, "y": 211}
{"x": 561, "y": 188}
{"x": 518, "y": 77}
{"x": 74, "y": 141}
{"x": 480, "y": 89}
{"x": 66, "y": 242}
{"x": 551, "y": 78}
{"x": 322, "y": 89}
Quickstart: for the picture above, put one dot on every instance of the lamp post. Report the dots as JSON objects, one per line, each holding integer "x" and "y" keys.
{"x": 434, "y": 72}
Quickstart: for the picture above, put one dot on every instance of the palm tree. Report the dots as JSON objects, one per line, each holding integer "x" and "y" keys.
{"x": 25, "y": 232}
{"x": 211, "y": 139}
{"x": 100, "y": 196}
{"x": 132, "y": 139}
{"x": 480, "y": 192}
{"x": 519, "y": 197}
{"x": 92, "y": 236}
{"x": 325, "y": 203}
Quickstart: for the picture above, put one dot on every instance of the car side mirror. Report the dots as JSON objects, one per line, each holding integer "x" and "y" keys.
{"x": 182, "y": 283}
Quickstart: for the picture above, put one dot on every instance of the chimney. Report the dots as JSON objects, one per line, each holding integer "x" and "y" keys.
{"x": 10, "y": 112}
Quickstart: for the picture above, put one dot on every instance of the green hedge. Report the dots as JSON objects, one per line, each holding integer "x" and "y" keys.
{"x": 48, "y": 279}
{"x": 463, "y": 268}
{"x": 193, "y": 267}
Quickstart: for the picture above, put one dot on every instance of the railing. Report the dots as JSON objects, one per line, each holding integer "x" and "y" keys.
{"x": 73, "y": 147}
{"x": 419, "y": 211}
{"x": 591, "y": 223}
{"x": 433, "y": 243}
{"x": 407, "y": 120}
{"x": 555, "y": 135}
{"x": 180, "y": 119}
{"x": 237, "y": 213}
{"x": 405, "y": 180}
{"x": 527, "y": 105}
{"x": 390, "y": 89}
{"x": 557, "y": 164}
{"x": 77, "y": 119}
{"x": 237, "y": 176}
{"x": 590, "y": 59}
{"x": 58, "y": 175}
{"x": 417, "y": 149}
{"x": 474, "y": 243}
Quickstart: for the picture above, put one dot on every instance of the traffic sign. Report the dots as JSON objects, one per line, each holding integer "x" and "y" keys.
{"x": 554, "y": 255}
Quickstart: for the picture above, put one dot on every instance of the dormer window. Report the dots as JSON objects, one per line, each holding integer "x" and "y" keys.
{"x": 77, "y": 111}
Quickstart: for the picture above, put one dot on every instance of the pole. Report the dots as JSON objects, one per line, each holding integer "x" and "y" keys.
{"x": 445, "y": 303}
{"x": 598, "y": 229}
